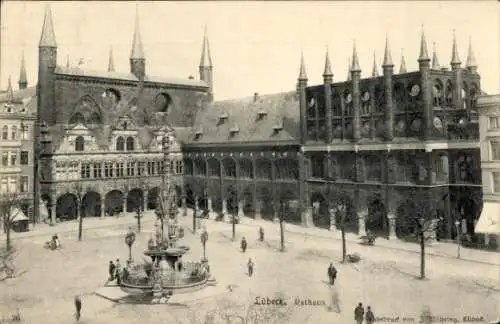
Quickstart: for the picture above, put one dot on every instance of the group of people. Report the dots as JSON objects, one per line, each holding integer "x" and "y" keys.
{"x": 115, "y": 271}
{"x": 360, "y": 315}
{"x": 54, "y": 242}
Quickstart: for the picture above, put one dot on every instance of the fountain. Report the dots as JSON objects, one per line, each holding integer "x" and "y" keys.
{"x": 167, "y": 273}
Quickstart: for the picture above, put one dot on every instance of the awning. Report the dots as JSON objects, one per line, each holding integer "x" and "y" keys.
{"x": 489, "y": 221}
{"x": 17, "y": 215}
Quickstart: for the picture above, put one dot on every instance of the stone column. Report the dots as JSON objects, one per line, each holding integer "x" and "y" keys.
{"x": 333, "y": 227}
{"x": 145, "y": 201}
{"x": 52, "y": 214}
{"x": 392, "y": 226}
{"x": 211, "y": 214}
{"x": 307, "y": 219}
{"x": 241, "y": 213}
{"x": 276, "y": 211}
{"x": 184, "y": 206}
{"x": 196, "y": 205}
{"x": 361, "y": 223}
{"x": 258, "y": 209}
{"x": 103, "y": 209}
{"x": 124, "y": 204}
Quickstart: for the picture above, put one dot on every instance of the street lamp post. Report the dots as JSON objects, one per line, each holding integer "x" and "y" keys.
{"x": 457, "y": 226}
{"x": 129, "y": 240}
{"x": 204, "y": 239}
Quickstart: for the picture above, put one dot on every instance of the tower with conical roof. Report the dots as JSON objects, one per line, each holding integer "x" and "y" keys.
{"x": 301, "y": 87}
{"x": 111, "y": 61}
{"x": 435, "y": 60}
{"x": 23, "y": 80}
{"x": 424, "y": 67}
{"x": 388, "y": 68}
{"x": 327, "y": 82}
{"x": 375, "y": 67}
{"x": 471, "y": 64}
{"x": 47, "y": 60}
{"x": 402, "y": 67}
{"x": 206, "y": 66}
{"x": 356, "y": 94}
{"x": 10, "y": 91}
{"x": 137, "y": 58}
{"x": 457, "y": 75}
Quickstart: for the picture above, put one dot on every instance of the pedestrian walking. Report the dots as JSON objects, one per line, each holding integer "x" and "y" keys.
{"x": 250, "y": 267}
{"x": 332, "y": 273}
{"x": 111, "y": 269}
{"x": 261, "y": 234}
{"x": 78, "y": 307}
{"x": 118, "y": 271}
{"x": 359, "y": 313}
{"x": 243, "y": 244}
{"x": 369, "y": 317}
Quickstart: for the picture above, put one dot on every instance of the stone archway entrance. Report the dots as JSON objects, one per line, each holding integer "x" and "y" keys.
{"x": 265, "y": 200}
{"x": 248, "y": 204}
{"x": 189, "y": 197}
{"x": 406, "y": 217}
{"x": 135, "y": 199}
{"x": 153, "y": 197}
{"x": 320, "y": 214}
{"x": 291, "y": 205}
{"x": 343, "y": 206}
{"x": 178, "y": 192}
{"x": 202, "y": 202}
{"x": 91, "y": 204}
{"x": 66, "y": 207}
{"x": 113, "y": 203}
{"x": 376, "y": 220}
{"x": 467, "y": 212}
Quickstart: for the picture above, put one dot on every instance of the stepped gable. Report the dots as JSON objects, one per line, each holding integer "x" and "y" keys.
{"x": 265, "y": 118}
{"x": 76, "y": 71}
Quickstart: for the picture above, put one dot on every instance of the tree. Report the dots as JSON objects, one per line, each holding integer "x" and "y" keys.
{"x": 340, "y": 206}
{"x": 10, "y": 210}
{"x": 421, "y": 221}
{"x": 81, "y": 210}
{"x": 129, "y": 240}
{"x": 283, "y": 209}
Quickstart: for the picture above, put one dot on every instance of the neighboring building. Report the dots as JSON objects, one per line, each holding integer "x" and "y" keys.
{"x": 101, "y": 131}
{"x": 489, "y": 129}
{"x": 17, "y": 121}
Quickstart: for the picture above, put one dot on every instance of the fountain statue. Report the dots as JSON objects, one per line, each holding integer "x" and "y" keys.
{"x": 167, "y": 273}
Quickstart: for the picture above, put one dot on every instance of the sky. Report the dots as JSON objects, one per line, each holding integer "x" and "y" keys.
{"x": 255, "y": 45}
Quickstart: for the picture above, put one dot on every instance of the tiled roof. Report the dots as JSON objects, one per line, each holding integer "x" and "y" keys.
{"x": 257, "y": 120}
{"x": 127, "y": 76}
{"x": 19, "y": 94}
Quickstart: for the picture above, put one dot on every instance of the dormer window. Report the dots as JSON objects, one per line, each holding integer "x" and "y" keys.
{"x": 223, "y": 117}
{"x": 79, "y": 144}
{"x": 234, "y": 130}
{"x": 261, "y": 114}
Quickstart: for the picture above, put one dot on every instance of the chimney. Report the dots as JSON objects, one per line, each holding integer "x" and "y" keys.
{"x": 255, "y": 96}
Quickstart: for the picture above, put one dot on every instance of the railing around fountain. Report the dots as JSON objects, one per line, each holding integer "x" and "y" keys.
{"x": 140, "y": 276}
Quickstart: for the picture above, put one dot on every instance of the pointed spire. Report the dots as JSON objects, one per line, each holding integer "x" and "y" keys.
{"x": 424, "y": 55}
{"x": 48, "y": 37}
{"x": 455, "y": 59}
{"x": 302, "y": 74}
{"x": 206, "y": 58}
{"x": 10, "y": 91}
{"x": 111, "y": 62}
{"x": 23, "y": 80}
{"x": 375, "y": 68}
{"x": 67, "y": 60}
{"x": 435, "y": 61}
{"x": 349, "y": 70}
{"x": 137, "y": 51}
{"x": 402, "y": 67}
{"x": 355, "y": 61}
{"x": 387, "y": 54}
{"x": 471, "y": 58}
{"x": 328, "y": 66}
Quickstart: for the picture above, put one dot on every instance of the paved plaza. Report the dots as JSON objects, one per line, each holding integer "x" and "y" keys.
{"x": 385, "y": 278}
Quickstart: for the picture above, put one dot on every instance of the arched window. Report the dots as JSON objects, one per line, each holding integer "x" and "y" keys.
{"x": 449, "y": 93}
{"x": 162, "y": 102}
{"x": 79, "y": 144}
{"x": 365, "y": 102}
{"x": 120, "y": 144}
{"x": 379, "y": 98}
{"x": 348, "y": 105}
{"x": 14, "y": 132}
{"x": 110, "y": 98}
{"x": 473, "y": 94}
{"x": 464, "y": 95}
{"x": 130, "y": 143}
{"x": 437, "y": 94}
{"x": 400, "y": 97}
{"x": 5, "y": 133}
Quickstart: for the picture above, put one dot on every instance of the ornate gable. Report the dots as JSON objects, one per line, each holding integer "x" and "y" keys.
{"x": 125, "y": 123}
{"x": 74, "y": 137}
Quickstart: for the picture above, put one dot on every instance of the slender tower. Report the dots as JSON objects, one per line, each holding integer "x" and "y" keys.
{"x": 424, "y": 67}
{"x": 111, "y": 61}
{"x": 388, "y": 68}
{"x": 206, "y": 66}
{"x": 137, "y": 59}
{"x": 356, "y": 94}
{"x": 23, "y": 80}
{"x": 457, "y": 75}
{"x": 327, "y": 82}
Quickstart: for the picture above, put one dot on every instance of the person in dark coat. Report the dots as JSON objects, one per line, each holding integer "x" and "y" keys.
{"x": 118, "y": 271}
{"x": 243, "y": 244}
{"x": 78, "y": 307}
{"x": 261, "y": 234}
{"x": 112, "y": 269}
{"x": 332, "y": 273}
{"x": 369, "y": 317}
{"x": 359, "y": 313}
